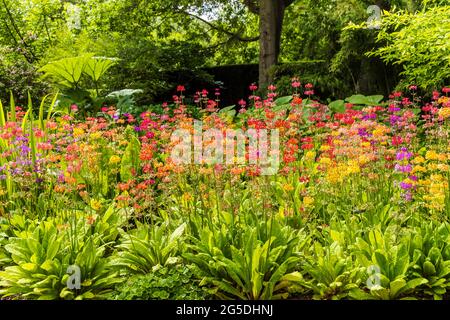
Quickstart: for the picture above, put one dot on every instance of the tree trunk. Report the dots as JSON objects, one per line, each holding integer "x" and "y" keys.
{"x": 271, "y": 13}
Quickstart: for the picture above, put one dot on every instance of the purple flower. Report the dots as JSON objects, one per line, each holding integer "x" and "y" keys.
{"x": 394, "y": 109}
{"x": 394, "y": 119}
{"x": 403, "y": 154}
{"x": 369, "y": 116}
{"x": 405, "y": 186}
{"x": 404, "y": 169}
{"x": 407, "y": 195}
{"x": 362, "y": 132}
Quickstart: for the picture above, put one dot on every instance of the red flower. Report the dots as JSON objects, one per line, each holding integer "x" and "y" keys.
{"x": 320, "y": 124}
{"x": 304, "y": 179}
{"x": 296, "y": 101}
{"x": 307, "y": 146}
{"x": 181, "y": 88}
{"x": 396, "y": 140}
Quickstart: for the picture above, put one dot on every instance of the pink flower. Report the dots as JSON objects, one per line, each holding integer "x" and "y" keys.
{"x": 308, "y": 86}
{"x": 413, "y": 87}
{"x": 436, "y": 95}
{"x": 242, "y": 102}
{"x": 253, "y": 87}
{"x": 74, "y": 108}
{"x": 272, "y": 87}
{"x": 181, "y": 88}
{"x": 296, "y": 84}
{"x": 446, "y": 89}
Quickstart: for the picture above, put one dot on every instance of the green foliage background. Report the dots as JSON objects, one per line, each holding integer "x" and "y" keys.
{"x": 164, "y": 43}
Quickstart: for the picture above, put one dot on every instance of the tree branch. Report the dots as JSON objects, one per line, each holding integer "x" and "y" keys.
{"x": 17, "y": 30}
{"x": 287, "y": 3}
{"x": 252, "y": 5}
{"x": 233, "y": 35}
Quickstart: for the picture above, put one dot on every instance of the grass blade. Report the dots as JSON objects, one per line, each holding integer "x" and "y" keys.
{"x": 12, "y": 107}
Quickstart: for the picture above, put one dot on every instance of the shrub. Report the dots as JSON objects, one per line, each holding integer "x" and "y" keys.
{"x": 176, "y": 282}
{"x": 418, "y": 42}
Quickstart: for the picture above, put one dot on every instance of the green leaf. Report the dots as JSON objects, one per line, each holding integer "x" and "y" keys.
{"x": 96, "y": 67}
{"x": 12, "y": 107}
{"x": 396, "y": 286}
{"x": 357, "y": 99}
{"x": 2, "y": 116}
{"x": 283, "y": 100}
{"x": 428, "y": 269}
{"x": 374, "y": 100}
{"x": 67, "y": 71}
{"x": 337, "y": 106}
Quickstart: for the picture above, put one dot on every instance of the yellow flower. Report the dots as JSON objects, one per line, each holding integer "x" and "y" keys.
{"x": 431, "y": 155}
{"x": 443, "y": 100}
{"x": 353, "y": 167}
{"x": 158, "y": 164}
{"x": 325, "y": 147}
{"x": 365, "y": 144}
{"x": 77, "y": 132}
{"x": 418, "y": 169}
{"x": 307, "y": 201}
{"x": 336, "y": 174}
{"x": 96, "y": 135}
{"x": 418, "y": 159}
{"x": 436, "y": 177}
{"x": 444, "y": 113}
{"x": 310, "y": 155}
{"x": 288, "y": 187}
{"x": 378, "y": 132}
{"x": 187, "y": 196}
{"x": 363, "y": 159}
{"x": 95, "y": 204}
{"x": 204, "y": 170}
{"x": 114, "y": 159}
{"x": 325, "y": 160}
{"x": 425, "y": 182}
